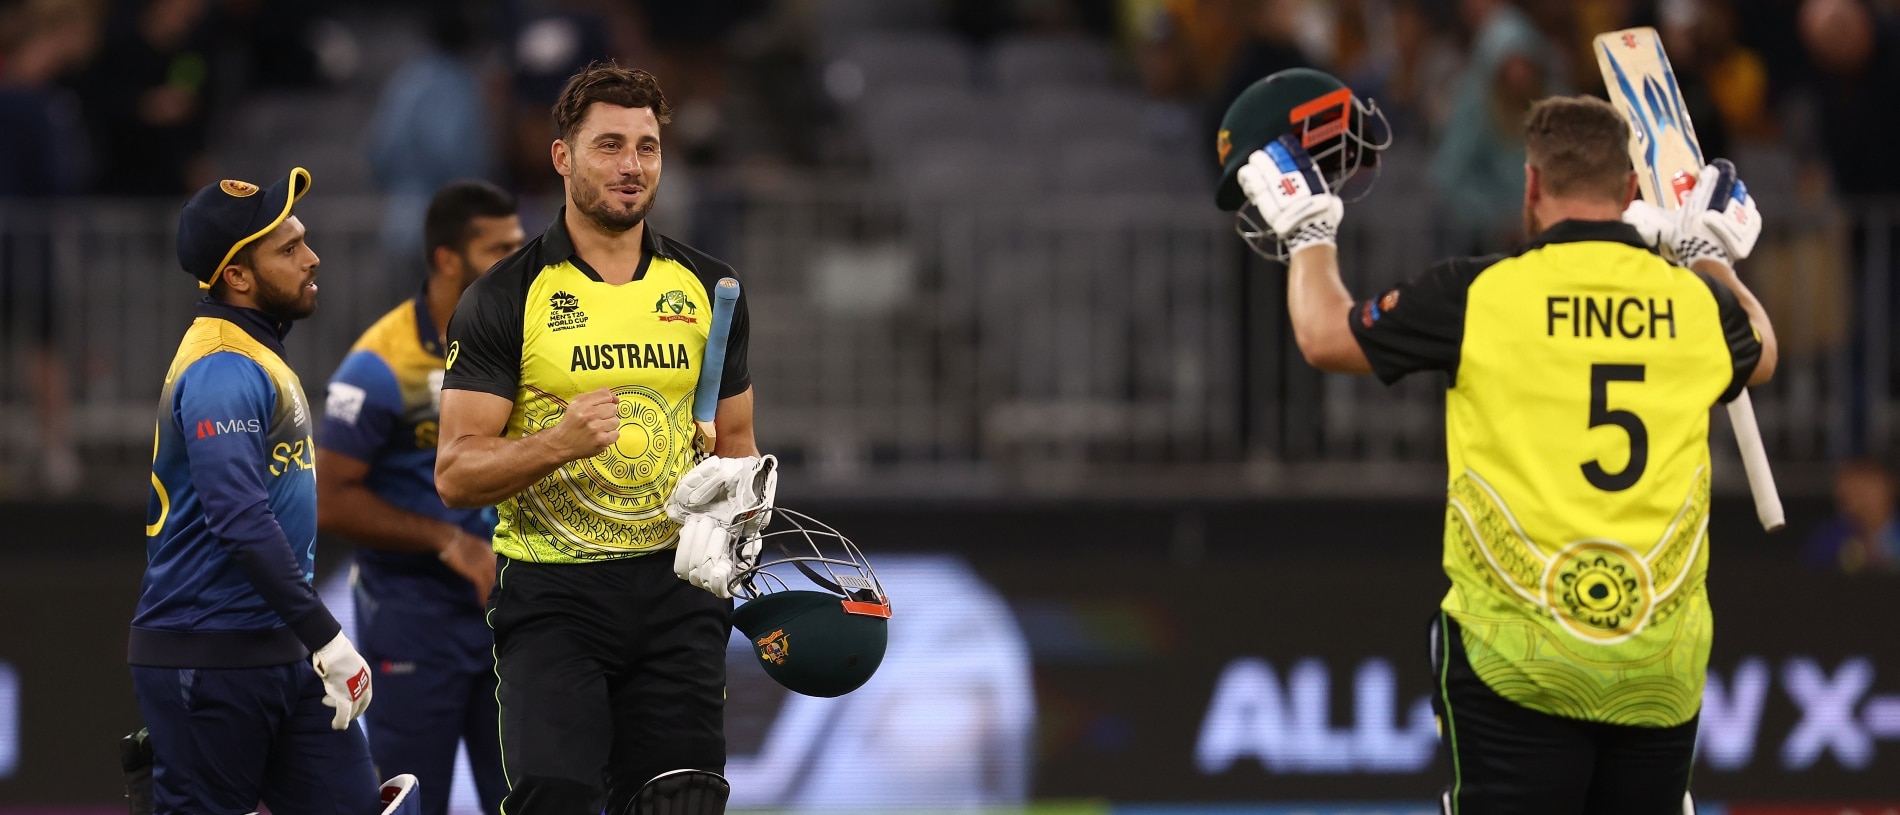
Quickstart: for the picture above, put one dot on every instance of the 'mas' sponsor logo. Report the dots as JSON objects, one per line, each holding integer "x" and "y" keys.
{"x": 211, "y": 427}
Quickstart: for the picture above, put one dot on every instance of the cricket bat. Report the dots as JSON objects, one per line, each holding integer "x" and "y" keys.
{"x": 1667, "y": 158}
{"x": 712, "y": 367}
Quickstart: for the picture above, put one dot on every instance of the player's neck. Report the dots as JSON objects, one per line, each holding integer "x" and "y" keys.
{"x": 615, "y": 256}
{"x": 1553, "y": 211}
{"x": 441, "y": 293}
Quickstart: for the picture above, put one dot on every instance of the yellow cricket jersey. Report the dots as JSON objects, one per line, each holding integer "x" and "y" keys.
{"x": 541, "y": 328}
{"x": 1583, "y": 369}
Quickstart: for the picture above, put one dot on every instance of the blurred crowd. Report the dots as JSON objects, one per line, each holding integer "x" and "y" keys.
{"x": 120, "y": 97}
{"x": 1457, "y": 76}
{"x": 130, "y": 98}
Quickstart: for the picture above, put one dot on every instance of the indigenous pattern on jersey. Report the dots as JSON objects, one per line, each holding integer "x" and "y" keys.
{"x": 382, "y": 409}
{"x": 1582, "y": 372}
{"x": 231, "y": 532}
{"x": 541, "y": 328}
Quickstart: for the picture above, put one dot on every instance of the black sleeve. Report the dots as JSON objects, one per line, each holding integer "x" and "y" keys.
{"x": 1744, "y": 348}
{"x": 736, "y": 377}
{"x": 1418, "y": 326}
{"x": 485, "y": 334}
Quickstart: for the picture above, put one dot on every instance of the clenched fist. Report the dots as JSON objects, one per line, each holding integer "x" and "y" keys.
{"x": 590, "y": 425}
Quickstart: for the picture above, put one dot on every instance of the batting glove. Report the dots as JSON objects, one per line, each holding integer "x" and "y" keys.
{"x": 1718, "y": 221}
{"x": 707, "y": 486}
{"x": 1719, "y": 218}
{"x": 1290, "y": 193}
{"x": 346, "y": 680}
{"x": 722, "y": 506}
{"x": 1656, "y": 225}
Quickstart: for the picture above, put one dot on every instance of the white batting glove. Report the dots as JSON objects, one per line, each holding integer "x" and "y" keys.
{"x": 1718, "y": 221}
{"x": 346, "y": 680}
{"x": 707, "y": 486}
{"x": 1719, "y": 218}
{"x": 704, "y": 548}
{"x": 1656, "y": 225}
{"x": 722, "y": 505}
{"x": 1290, "y": 193}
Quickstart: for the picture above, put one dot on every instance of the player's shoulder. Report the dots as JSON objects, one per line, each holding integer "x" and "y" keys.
{"x": 366, "y": 368}
{"x": 1453, "y": 276}
{"x": 216, "y": 343}
{"x": 394, "y": 326}
{"x": 227, "y": 370}
{"x": 707, "y": 268}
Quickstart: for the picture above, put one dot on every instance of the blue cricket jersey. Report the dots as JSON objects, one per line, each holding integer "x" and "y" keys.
{"x": 382, "y": 408}
{"x": 231, "y": 531}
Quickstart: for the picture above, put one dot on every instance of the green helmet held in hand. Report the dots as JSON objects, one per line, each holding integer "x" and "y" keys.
{"x": 818, "y": 643}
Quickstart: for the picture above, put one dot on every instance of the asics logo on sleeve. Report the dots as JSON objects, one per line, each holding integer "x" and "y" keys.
{"x": 210, "y": 427}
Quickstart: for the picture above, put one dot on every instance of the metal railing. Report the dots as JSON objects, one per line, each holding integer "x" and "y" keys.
{"x": 904, "y": 346}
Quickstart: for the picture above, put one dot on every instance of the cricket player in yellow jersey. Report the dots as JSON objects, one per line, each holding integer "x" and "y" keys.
{"x": 1570, "y": 652}
{"x": 567, "y": 404}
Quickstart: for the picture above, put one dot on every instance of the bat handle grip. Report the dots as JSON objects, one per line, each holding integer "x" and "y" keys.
{"x": 713, "y": 365}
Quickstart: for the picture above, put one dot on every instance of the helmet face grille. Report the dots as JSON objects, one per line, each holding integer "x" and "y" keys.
{"x": 826, "y": 558}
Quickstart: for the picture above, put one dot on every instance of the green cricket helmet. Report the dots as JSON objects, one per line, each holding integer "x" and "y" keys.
{"x": 1343, "y": 133}
{"x": 825, "y": 642}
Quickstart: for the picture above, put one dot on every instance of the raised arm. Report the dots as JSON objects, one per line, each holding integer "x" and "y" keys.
{"x": 1334, "y": 333}
{"x": 1722, "y": 273}
{"x": 1320, "y": 307}
{"x": 1716, "y": 227}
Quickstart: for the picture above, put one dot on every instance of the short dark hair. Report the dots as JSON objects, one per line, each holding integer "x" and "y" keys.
{"x": 1579, "y": 146}
{"x": 453, "y": 210}
{"x": 610, "y": 83}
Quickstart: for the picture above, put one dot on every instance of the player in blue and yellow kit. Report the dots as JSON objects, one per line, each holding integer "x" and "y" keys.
{"x": 246, "y": 683}
{"x": 423, "y": 571}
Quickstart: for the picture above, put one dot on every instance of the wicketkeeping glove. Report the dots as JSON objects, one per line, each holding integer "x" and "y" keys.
{"x": 346, "y": 680}
{"x": 1291, "y": 194}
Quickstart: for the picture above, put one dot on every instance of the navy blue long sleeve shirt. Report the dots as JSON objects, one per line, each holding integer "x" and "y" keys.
{"x": 232, "y": 521}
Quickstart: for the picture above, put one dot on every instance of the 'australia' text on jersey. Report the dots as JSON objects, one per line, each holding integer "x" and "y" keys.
{"x": 608, "y": 356}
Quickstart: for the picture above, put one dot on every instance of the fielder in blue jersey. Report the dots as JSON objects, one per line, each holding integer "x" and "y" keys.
{"x": 423, "y": 571}
{"x": 246, "y": 683}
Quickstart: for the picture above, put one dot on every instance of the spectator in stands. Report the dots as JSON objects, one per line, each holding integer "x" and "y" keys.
{"x": 38, "y": 129}
{"x": 1858, "y": 55}
{"x": 1864, "y": 538}
{"x": 431, "y": 126}
{"x": 546, "y": 50}
{"x": 1734, "y": 76}
{"x": 1207, "y": 33}
{"x": 1271, "y": 45}
{"x": 1479, "y": 165}
{"x": 273, "y": 42}
{"x": 688, "y": 44}
{"x": 1400, "y": 58}
{"x": 148, "y": 98}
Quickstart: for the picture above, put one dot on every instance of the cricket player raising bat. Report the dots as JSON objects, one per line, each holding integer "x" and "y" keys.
{"x": 1569, "y": 654}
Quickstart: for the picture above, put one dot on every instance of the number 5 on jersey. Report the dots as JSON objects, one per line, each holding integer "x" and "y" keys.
{"x": 1601, "y": 375}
